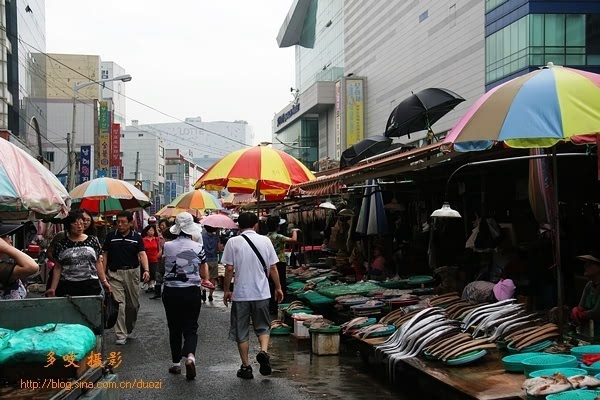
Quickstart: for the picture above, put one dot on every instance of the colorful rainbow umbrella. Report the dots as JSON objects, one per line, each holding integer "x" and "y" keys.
{"x": 262, "y": 169}
{"x": 26, "y": 186}
{"x": 536, "y": 110}
{"x": 172, "y": 212}
{"x": 108, "y": 196}
{"x": 196, "y": 200}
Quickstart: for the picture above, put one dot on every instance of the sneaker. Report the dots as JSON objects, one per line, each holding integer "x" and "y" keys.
{"x": 265, "y": 365}
{"x": 190, "y": 370}
{"x": 245, "y": 372}
{"x": 210, "y": 298}
{"x": 144, "y": 286}
{"x": 120, "y": 341}
{"x": 176, "y": 370}
{"x": 203, "y": 296}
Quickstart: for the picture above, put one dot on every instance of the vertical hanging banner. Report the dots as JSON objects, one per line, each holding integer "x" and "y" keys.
{"x": 115, "y": 145}
{"x": 338, "y": 120}
{"x": 354, "y": 111}
{"x": 85, "y": 159}
{"x": 104, "y": 139}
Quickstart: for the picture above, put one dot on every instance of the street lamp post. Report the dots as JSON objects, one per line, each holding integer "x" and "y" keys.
{"x": 73, "y": 153}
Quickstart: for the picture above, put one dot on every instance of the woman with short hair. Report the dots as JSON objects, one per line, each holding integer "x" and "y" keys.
{"x": 185, "y": 268}
{"x": 78, "y": 270}
{"x": 154, "y": 252}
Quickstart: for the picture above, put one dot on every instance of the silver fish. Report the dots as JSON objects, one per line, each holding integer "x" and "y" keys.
{"x": 511, "y": 322}
{"x": 472, "y": 317}
{"x": 511, "y": 311}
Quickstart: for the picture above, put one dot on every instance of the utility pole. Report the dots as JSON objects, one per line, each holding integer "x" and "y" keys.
{"x": 69, "y": 166}
{"x": 137, "y": 166}
{"x": 72, "y": 155}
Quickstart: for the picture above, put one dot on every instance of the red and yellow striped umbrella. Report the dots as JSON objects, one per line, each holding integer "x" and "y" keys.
{"x": 172, "y": 212}
{"x": 244, "y": 171}
{"x": 196, "y": 200}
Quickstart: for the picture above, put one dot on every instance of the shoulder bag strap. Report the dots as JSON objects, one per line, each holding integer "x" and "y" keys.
{"x": 260, "y": 257}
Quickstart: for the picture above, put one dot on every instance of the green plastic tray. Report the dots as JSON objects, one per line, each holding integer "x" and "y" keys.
{"x": 281, "y": 331}
{"x": 568, "y": 372}
{"x": 547, "y": 361}
{"x": 514, "y": 363}
{"x": 467, "y": 358}
{"x": 593, "y": 369}
{"x": 331, "y": 329}
{"x": 581, "y": 350}
{"x": 575, "y": 395}
{"x": 531, "y": 349}
{"x": 420, "y": 280}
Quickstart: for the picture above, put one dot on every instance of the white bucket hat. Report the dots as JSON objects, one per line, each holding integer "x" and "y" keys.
{"x": 184, "y": 222}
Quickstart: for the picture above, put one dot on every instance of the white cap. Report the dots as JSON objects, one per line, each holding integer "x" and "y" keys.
{"x": 184, "y": 222}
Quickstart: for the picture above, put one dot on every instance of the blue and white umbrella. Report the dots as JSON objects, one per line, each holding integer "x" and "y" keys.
{"x": 372, "y": 219}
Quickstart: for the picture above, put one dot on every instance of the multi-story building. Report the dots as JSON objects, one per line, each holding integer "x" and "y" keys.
{"x": 306, "y": 128}
{"x": 181, "y": 173}
{"x": 143, "y": 152}
{"x": 23, "y": 114}
{"x": 114, "y": 91}
{"x": 201, "y": 139}
{"x": 394, "y": 48}
{"x": 61, "y": 76}
{"x": 522, "y": 35}
{"x": 97, "y": 107}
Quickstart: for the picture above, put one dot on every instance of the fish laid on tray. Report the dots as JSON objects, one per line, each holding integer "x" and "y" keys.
{"x": 426, "y": 327}
{"x": 277, "y": 323}
{"x": 354, "y": 324}
{"x": 367, "y": 331}
{"x": 295, "y": 305}
{"x": 444, "y": 300}
{"x": 530, "y": 336}
{"x": 557, "y": 383}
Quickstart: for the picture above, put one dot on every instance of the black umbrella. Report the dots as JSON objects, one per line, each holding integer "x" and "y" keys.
{"x": 421, "y": 110}
{"x": 364, "y": 149}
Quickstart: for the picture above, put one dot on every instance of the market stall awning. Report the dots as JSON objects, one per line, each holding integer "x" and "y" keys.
{"x": 374, "y": 167}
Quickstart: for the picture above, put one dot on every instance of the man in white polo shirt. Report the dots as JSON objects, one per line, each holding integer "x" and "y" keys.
{"x": 254, "y": 260}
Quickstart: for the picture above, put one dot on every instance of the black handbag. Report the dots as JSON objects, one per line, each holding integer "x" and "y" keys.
{"x": 111, "y": 310}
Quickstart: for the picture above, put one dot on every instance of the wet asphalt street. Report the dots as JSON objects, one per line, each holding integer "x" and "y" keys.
{"x": 296, "y": 373}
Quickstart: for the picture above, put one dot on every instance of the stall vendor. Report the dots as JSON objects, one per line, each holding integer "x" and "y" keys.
{"x": 589, "y": 305}
{"x": 378, "y": 264}
{"x": 478, "y": 292}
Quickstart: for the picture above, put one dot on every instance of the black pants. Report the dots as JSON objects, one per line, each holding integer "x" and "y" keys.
{"x": 182, "y": 306}
{"x": 281, "y": 271}
{"x": 88, "y": 287}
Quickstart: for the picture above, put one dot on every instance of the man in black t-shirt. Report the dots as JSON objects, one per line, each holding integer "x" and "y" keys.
{"x": 123, "y": 253}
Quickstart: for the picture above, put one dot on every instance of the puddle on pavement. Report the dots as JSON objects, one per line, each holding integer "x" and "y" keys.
{"x": 337, "y": 377}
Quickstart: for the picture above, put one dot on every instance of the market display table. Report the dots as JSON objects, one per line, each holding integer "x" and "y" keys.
{"x": 485, "y": 379}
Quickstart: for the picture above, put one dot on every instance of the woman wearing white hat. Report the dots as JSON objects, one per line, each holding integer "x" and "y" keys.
{"x": 185, "y": 269}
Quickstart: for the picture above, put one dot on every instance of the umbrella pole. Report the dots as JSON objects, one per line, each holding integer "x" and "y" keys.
{"x": 258, "y": 199}
{"x": 559, "y": 277}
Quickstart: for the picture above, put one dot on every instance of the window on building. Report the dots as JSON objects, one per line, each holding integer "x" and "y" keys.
{"x": 161, "y": 170}
{"x": 423, "y": 16}
{"x": 492, "y": 4}
{"x": 452, "y": 15}
{"x": 161, "y": 152}
{"x": 537, "y": 39}
{"x": 140, "y": 135}
{"x": 49, "y": 156}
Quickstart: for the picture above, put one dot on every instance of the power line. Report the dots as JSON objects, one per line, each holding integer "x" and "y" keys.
{"x": 85, "y": 104}
{"x": 125, "y": 96}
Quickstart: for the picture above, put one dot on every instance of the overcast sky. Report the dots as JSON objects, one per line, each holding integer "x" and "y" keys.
{"x": 215, "y": 59}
